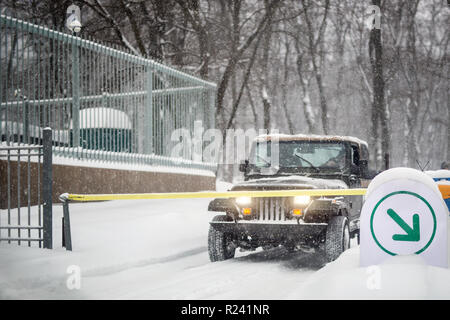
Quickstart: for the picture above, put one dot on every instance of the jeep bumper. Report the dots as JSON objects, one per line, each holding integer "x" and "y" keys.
{"x": 273, "y": 232}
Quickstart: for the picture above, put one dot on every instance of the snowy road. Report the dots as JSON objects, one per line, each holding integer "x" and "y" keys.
{"x": 157, "y": 249}
{"x": 190, "y": 275}
{"x": 148, "y": 249}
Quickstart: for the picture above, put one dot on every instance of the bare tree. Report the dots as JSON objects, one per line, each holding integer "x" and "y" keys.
{"x": 378, "y": 112}
{"x": 315, "y": 36}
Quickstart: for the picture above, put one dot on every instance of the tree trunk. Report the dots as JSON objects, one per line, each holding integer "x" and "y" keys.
{"x": 264, "y": 85}
{"x": 306, "y": 101}
{"x": 313, "y": 51}
{"x": 379, "y": 114}
{"x": 284, "y": 89}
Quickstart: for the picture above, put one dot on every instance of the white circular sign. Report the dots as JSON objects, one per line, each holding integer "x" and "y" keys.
{"x": 403, "y": 222}
{"x": 403, "y": 216}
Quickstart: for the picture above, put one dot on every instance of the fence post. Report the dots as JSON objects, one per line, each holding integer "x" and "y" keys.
{"x": 26, "y": 122}
{"x": 47, "y": 188}
{"x": 67, "y": 237}
{"x": 212, "y": 109}
{"x": 148, "y": 123}
{"x": 75, "y": 96}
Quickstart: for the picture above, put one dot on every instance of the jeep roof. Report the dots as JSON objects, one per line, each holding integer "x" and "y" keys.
{"x": 309, "y": 137}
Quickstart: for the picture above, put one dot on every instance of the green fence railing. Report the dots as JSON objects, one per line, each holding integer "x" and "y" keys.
{"x": 102, "y": 103}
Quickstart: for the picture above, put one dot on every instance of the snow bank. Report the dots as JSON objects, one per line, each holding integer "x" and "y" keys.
{"x": 108, "y": 238}
{"x": 399, "y": 277}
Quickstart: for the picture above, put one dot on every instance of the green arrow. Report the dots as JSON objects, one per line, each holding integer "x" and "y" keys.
{"x": 411, "y": 234}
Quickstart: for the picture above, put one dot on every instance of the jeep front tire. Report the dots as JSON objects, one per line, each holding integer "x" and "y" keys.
{"x": 220, "y": 245}
{"x": 337, "y": 238}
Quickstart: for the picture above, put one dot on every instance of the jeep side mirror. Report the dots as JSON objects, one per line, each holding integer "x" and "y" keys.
{"x": 354, "y": 169}
{"x": 243, "y": 166}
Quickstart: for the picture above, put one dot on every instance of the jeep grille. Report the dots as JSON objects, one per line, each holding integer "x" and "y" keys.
{"x": 272, "y": 209}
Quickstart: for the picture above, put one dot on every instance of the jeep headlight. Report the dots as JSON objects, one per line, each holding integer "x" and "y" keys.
{"x": 302, "y": 200}
{"x": 243, "y": 201}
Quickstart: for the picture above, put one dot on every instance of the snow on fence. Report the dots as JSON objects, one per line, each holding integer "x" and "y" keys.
{"x": 100, "y": 102}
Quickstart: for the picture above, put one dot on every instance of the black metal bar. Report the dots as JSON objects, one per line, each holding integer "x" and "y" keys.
{"x": 47, "y": 188}
{"x": 9, "y": 193}
{"x": 29, "y": 195}
{"x": 19, "y": 189}
{"x": 63, "y": 229}
{"x": 67, "y": 237}
{"x": 38, "y": 188}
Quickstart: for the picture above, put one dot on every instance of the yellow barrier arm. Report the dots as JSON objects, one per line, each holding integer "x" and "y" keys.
{"x": 213, "y": 194}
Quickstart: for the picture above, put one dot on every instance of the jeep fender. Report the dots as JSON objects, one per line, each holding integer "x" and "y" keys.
{"x": 222, "y": 205}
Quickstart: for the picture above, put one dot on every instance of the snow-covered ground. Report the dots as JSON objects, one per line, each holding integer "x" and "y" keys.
{"x": 157, "y": 249}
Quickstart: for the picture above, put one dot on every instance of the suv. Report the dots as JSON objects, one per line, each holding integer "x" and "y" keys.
{"x": 304, "y": 162}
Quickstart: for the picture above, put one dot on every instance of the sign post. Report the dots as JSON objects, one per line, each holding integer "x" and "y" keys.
{"x": 404, "y": 214}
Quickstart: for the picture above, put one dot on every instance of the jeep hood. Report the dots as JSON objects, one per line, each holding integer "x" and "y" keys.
{"x": 290, "y": 182}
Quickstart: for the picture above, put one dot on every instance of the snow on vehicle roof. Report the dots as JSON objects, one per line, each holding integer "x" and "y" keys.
{"x": 309, "y": 137}
{"x": 100, "y": 117}
{"x": 438, "y": 174}
{"x": 402, "y": 173}
{"x": 298, "y": 179}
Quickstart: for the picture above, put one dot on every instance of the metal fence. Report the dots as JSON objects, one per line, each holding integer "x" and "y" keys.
{"x": 102, "y": 103}
{"x": 26, "y": 178}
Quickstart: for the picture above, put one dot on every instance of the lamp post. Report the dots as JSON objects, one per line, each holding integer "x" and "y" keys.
{"x": 73, "y": 22}
{"x": 74, "y": 26}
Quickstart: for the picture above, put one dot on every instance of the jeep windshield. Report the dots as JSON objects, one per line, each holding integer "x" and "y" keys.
{"x": 298, "y": 157}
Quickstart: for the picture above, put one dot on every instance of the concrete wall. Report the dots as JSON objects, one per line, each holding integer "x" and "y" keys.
{"x": 74, "y": 179}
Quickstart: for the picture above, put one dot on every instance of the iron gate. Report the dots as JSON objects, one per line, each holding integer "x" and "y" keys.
{"x": 26, "y": 193}
{"x": 102, "y": 103}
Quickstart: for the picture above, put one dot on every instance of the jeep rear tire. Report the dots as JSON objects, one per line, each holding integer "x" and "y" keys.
{"x": 220, "y": 244}
{"x": 337, "y": 238}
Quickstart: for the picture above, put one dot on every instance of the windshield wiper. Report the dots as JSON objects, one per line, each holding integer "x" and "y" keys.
{"x": 312, "y": 166}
